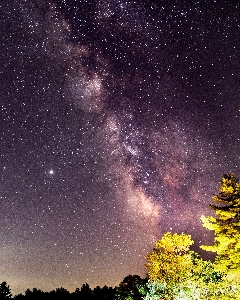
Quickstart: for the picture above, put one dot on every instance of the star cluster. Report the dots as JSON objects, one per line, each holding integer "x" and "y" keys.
{"x": 117, "y": 120}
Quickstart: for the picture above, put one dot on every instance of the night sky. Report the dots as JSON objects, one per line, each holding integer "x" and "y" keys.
{"x": 117, "y": 120}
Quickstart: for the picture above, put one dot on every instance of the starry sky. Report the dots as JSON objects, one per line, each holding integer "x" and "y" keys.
{"x": 117, "y": 119}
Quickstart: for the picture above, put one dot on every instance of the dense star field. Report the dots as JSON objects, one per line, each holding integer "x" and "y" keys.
{"x": 117, "y": 119}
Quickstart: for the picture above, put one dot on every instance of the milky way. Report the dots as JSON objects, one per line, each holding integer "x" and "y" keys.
{"x": 118, "y": 119}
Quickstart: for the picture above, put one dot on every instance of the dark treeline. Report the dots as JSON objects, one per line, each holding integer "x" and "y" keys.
{"x": 129, "y": 286}
{"x": 84, "y": 293}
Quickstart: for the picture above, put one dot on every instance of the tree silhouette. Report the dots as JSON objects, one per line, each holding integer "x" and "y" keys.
{"x": 19, "y": 297}
{"x": 86, "y": 292}
{"x": 105, "y": 293}
{"x": 130, "y": 288}
{"x": 5, "y": 291}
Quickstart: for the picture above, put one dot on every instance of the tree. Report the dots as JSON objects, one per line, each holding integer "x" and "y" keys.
{"x": 130, "y": 288}
{"x": 170, "y": 263}
{"x": 200, "y": 282}
{"x": 62, "y": 293}
{"x": 105, "y": 293}
{"x": 170, "y": 260}
{"x": 226, "y": 227}
{"x": 155, "y": 290}
{"x": 19, "y": 297}
{"x": 86, "y": 292}
{"x": 34, "y": 294}
{"x": 5, "y": 291}
{"x": 207, "y": 283}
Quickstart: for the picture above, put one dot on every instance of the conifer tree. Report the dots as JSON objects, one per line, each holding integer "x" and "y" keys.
{"x": 226, "y": 227}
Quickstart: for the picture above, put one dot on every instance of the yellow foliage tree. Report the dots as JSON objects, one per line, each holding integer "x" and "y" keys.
{"x": 171, "y": 262}
{"x": 176, "y": 272}
{"x": 226, "y": 226}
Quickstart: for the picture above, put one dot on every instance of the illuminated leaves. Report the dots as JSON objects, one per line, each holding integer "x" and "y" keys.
{"x": 226, "y": 226}
{"x": 170, "y": 277}
{"x": 170, "y": 261}
{"x": 175, "y": 272}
